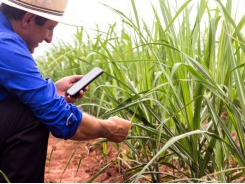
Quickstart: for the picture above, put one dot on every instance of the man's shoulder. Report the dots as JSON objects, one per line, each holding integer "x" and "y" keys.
{"x": 10, "y": 39}
{"x": 6, "y": 34}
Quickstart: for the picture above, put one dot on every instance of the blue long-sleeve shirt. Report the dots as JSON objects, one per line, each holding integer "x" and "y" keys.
{"x": 20, "y": 78}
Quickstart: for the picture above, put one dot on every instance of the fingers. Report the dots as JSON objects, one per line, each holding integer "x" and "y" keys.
{"x": 72, "y": 99}
{"x": 75, "y": 78}
{"x": 86, "y": 88}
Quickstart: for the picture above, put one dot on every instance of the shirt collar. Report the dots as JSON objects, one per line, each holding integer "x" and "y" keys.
{"x": 5, "y": 22}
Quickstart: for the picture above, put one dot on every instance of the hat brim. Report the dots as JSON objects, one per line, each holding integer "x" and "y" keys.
{"x": 65, "y": 19}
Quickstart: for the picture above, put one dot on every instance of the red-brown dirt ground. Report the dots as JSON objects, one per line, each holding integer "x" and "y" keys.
{"x": 92, "y": 162}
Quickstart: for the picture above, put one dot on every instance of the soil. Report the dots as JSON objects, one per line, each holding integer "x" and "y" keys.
{"x": 91, "y": 161}
{"x": 86, "y": 161}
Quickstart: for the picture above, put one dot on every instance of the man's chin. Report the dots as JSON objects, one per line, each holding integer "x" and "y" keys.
{"x": 32, "y": 50}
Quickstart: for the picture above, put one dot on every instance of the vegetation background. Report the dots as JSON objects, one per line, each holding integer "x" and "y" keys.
{"x": 180, "y": 80}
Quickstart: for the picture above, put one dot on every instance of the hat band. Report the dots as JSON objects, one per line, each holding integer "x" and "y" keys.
{"x": 43, "y": 10}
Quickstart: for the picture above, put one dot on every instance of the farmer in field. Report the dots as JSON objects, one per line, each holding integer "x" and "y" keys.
{"x": 31, "y": 106}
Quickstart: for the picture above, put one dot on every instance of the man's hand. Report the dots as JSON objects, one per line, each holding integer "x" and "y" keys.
{"x": 118, "y": 129}
{"x": 63, "y": 84}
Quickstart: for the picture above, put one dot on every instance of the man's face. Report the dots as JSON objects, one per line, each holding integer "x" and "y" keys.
{"x": 34, "y": 34}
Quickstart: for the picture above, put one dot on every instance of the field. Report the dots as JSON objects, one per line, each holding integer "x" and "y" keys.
{"x": 92, "y": 162}
{"x": 179, "y": 80}
{"x": 57, "y": 170}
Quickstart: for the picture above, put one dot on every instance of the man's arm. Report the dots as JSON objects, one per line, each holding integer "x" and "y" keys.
{"x": 115, "y": 129}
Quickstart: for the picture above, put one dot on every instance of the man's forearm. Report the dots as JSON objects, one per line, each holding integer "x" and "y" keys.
{"x": 115, "y": 129}
{"x": 91, "y": 128}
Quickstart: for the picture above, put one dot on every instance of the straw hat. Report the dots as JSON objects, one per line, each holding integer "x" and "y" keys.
{"x": 50, "y": 9}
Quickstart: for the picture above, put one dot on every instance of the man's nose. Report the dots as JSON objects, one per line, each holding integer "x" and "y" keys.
{"x": 49, "y": 38}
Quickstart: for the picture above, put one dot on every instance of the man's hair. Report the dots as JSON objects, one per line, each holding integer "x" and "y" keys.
{"x": 17, "y": 14}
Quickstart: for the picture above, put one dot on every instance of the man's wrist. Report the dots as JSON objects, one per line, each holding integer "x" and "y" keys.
{"x": 105, "y": 132}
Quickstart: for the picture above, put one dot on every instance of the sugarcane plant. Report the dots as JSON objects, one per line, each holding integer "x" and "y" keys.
{"x": 179, "y": 80}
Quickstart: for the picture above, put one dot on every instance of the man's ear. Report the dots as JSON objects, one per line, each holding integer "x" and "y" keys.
{"x": 27, "y": 18}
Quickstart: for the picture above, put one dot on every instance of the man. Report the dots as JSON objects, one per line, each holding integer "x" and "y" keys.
{"x": 32, "y": 106}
